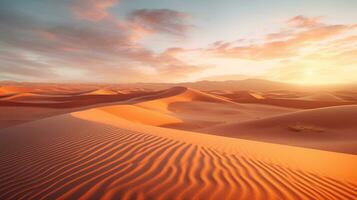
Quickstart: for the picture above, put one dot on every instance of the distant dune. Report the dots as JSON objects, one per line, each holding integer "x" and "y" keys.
{"x": 101, "y": 92}
{"x": 330, "y": 128}
{"x": 11, "y": 90}
{"x": 323, "y": 96}
{"x": 161, "y": 101}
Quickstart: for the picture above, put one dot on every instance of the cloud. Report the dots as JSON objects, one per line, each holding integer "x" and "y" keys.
{"x": 92, "y": 10}
{"x": 301, "y": 21}
{"x": 22, "y": 66}
{"x": 160, "y": 21}
{"x": 284, "y": 44}
{"x": 103, "y": 51}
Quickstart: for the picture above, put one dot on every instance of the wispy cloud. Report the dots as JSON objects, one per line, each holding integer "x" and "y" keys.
{"x": 91, "y": 40}
{"x": 301, "y": 21}
{"x": 301, "y": 33}
{"x": 160, "y": 20}
{"x": 99, "y": 45}
{"x": 92, "y": 10}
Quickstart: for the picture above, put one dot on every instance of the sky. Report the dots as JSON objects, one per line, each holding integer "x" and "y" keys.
{"x": 120, "y": 41}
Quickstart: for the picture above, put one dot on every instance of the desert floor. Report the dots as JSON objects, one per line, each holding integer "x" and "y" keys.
{"x": 110, "y": 142}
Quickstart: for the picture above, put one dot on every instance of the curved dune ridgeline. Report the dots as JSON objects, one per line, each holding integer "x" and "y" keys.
{"x": 92, "y": 155}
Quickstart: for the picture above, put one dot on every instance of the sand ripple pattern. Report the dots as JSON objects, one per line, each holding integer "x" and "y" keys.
{"x": 80, "y": 160}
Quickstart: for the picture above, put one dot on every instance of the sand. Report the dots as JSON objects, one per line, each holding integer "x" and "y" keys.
{"x": 332, "y": 128}
{"x": 108, "y": 142}
{"x": 82, "y": 157}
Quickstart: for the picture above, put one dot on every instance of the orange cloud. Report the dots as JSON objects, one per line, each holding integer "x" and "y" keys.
{"x": 286, "y": 43}
{"x": 301, "y": 21}
{"x": 92, "y": 10}
{"x": 107, "y": 50}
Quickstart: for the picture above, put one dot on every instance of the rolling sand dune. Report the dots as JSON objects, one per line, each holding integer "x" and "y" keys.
{"x": 25, "y": 107}
{"x": 106, "y": 142}
{"x": 161, "y": 101}
{"x": 197, "y": 109}
{"x": 101, "y": 92}
{"x": 31, "y": 97}
{"x": 187, "y": 109}
{"x": 71, "y": 101}
{"x": 246, "y": 95}
{"x": 6, "y": 90}
{"x": 140, "y": 115}
{"x": 295, "y": 103}
{"x": 332, "y": 128}
{"x": 93, "y": 154}
{"x": 323, "y": 96}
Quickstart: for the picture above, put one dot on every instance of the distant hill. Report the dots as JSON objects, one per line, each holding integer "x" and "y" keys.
{"x": 206, "y": 85}
{"x": 236, "y": 85}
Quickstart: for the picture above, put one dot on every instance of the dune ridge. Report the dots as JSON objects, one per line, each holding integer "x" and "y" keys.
{"x": 161, "y": 101}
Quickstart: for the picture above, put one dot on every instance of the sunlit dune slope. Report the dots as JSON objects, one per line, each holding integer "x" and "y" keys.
{"x": 140, "y": 115}
{"x": 161, "y": 100}
{"x": 245, "y": 95}
{"x": 92, "y": 154}
{"x": 189, "y": 109}
{"x": 11, "y": 90}
{"x": 101, "y": 92}
{"x": 332, "y": 128}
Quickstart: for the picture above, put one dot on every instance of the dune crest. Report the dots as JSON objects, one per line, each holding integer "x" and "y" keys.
{"x": 101, "y": 92}
{"x": 160, "y": 102}
{"x": 141, "y": 115}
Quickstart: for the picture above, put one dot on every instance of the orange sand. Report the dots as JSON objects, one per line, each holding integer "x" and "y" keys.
{"x": 106, "y": 142}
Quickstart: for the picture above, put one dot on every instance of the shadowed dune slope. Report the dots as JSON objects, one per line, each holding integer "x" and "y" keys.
{"x": 92, "y": 155}
{"x": 332, "y": 128}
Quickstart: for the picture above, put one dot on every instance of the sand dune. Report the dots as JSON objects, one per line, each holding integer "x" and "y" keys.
{"x": 330, "y": 128}
{"x": 295, "y": 103}
{"x": 137, "y": 114}
{"x": 245, "y": 95}
{"x": 107, "y": 142}
{"x": 14, "y": 115}
{"x": 185, "y": 94}
{"x": 82, "y": 157}
{"x": 101, "y": 92}
{"x": 5, "y": 90}
{"x": 322, "y": 96}
{"x": 198, "y": 109}
{"x": 32, "y": 97}
{"x": 187, "y": 109}
{"x": 161, "y": 101}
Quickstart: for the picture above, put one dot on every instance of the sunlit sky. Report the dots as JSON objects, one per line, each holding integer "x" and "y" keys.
{"x": 116, "y": 41}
